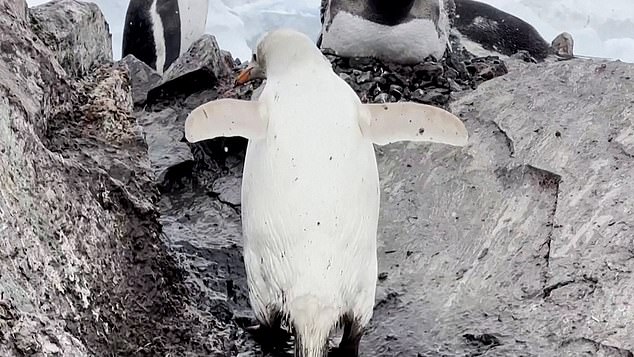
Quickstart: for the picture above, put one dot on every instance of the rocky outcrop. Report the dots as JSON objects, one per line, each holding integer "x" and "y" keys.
{"x": 520, "y": 243}
{"x": 83, "y": 268}
{"x": 77, "y": 32}
{"x": 201, "y": 67}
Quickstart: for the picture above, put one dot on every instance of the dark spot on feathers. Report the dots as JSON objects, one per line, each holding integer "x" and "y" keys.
{"x": 318, "y": 223}
{"x": 421, "y": 131}
{"x": 558, "y": 134}
{"x": 331, "y": 158}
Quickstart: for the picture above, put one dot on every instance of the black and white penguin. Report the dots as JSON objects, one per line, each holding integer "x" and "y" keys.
{"x": 401, "y": 31}
{"x": 485, "y": 30}
{"x": 158, "y": 31}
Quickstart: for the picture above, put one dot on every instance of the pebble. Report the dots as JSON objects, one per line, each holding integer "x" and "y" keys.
{"x": 382, "y": 98}
{"x": 419, "y": 95}
{"x": 429, "y": 82}
{"x": 364, "y": 77}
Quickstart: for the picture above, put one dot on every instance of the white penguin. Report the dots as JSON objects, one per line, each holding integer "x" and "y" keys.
{"x": 310, "y": 189}
{"x": 158, "y": 31}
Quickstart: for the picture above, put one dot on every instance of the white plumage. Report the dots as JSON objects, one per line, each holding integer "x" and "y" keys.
{"x": 193, "y": 16}
{"x": 349, "y": 34}
{"x": 310, "y": 189}
{"x": 411, "y": 42}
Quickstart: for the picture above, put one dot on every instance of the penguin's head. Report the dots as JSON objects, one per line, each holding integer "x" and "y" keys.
{"x": 254, "y": 70}
{"x": 278, "y": 51}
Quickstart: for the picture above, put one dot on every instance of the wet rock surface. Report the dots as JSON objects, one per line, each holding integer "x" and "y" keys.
{"x": 509, "y": 246}
{"x": 430, "y": 82}
{"x": 119, "y": 238}
{"x": 77, "y": 33}
{"x": 84, "y": 270}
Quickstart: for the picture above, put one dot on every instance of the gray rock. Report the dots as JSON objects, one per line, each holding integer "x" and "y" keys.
{"x": 419, "y": 96}
{"x": 563, "y": 45}
{"x": 84, "y": 269}
{"x": 345, "y": 76}
{"x": 520, "y": 243}
{"x": 198, "y": 69}
{"x": 364, "y": 77}
{"x": 382, "y": 98}
{"x": 164, "y": 136}
{"x": 143, "y": 78}
{"x": 76, "y": 31}
{"x": 524, "y": 56}
{"x": 396, "y": 91}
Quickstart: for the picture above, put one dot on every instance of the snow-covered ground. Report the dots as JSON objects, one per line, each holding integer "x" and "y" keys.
{"x": 601, "y": 28}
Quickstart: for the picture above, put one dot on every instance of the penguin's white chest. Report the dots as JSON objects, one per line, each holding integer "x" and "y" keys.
{"x": 193, "y": 19}
{"x": 410, "y": 42}
{"x": 310, "y": 206}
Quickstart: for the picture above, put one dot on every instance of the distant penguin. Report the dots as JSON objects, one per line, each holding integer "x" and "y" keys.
{"x": 310, "y": 188}
{"x": 158, "y": 31}
{"x": 401, "y": 31}
{"x": 484, "y": 28}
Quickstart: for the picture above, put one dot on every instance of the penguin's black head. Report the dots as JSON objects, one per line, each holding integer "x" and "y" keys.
{"x": 389, "y": 12}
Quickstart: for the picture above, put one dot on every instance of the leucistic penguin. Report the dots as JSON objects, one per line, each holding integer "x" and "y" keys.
{"x": 310, "y": 189}
{"x": 400, "y": 31}
{"x": 158, "y": 31}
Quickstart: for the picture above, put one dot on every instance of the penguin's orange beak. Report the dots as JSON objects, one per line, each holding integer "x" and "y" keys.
{"x": 245, "y": 75}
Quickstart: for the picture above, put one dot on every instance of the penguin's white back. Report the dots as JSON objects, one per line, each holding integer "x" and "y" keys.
{"x": 310, "y": 196}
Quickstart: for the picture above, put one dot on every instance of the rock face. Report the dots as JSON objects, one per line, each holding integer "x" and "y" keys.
{"x": 199, "y": 68}
{"x": 84, "y": 271}
{"x": 521, "y": 243}
{"x": 77, "y": 32}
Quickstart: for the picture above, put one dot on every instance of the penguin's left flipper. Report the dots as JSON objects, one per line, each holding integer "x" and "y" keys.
{"x": 391, "y": 122}
{"x": 226, "y": 117}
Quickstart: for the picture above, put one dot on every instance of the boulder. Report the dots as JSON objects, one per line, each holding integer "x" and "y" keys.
{"x": 201, "y": 67}
{"x": 83, "y": 268}
{"x": 76, "y": 31}
{"x": 143, "y": 78}
{"x": 520, "y": 243}
{"x": 563, "y": 45}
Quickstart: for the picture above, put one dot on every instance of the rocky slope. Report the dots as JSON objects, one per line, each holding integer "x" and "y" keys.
{"x": 119, "y": 238}
{"x": 83, "y": 268}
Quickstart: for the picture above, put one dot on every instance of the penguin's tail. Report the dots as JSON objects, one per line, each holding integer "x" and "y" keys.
{"x": 313, "y": 321}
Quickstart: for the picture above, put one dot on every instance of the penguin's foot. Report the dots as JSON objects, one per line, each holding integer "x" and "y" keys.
{"x": 349, "y": 345}
{"x": 271, "y": 338}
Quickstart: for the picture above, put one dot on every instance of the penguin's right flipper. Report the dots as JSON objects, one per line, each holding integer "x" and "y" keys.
{"x": 226, "y": 117}
{"x": 392, "y": 122}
